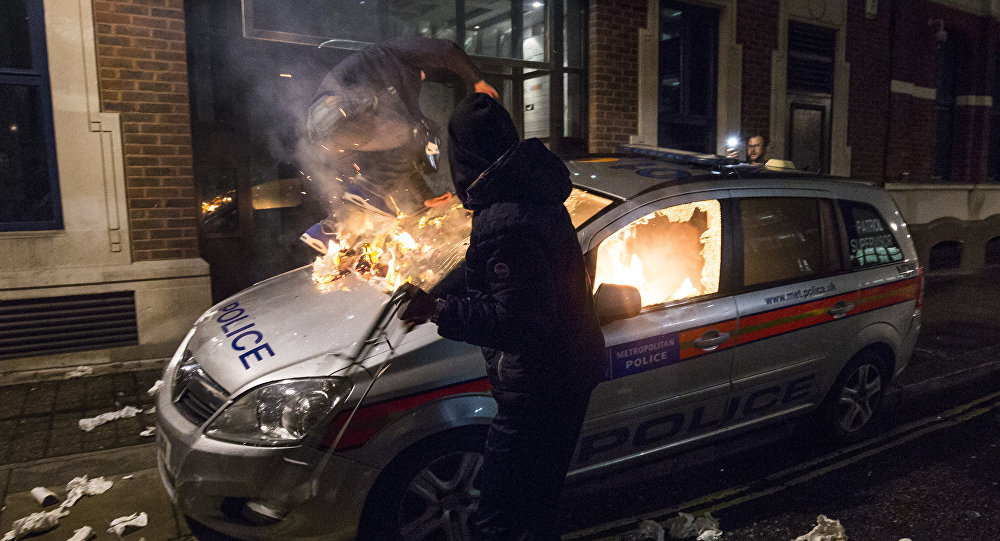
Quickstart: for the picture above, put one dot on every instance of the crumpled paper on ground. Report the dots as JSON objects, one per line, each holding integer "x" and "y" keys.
{"x": 150, "y": 431}
{"x": 825, "y": 530}
{"x": 42, "y": 521}
{"x": 79, "y": 372}
{"x": 647, "y": 530}
{"x": 82, "y": 534}
{"x": 79, "y": 487}
{"x": 704, "y": 527}
{"x": 133, "y": 521}
{"x": 35, "y": 523}
{"x": 89, "y": 424}
{"x": 155, "y": 388}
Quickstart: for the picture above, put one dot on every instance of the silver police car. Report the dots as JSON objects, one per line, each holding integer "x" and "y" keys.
{"x": 730, "y": 297}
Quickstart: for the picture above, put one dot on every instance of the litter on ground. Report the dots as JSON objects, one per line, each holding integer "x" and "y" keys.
{"x": 704, "y": 527}
{"x": 120, "y": 525}
{"x": 90, "y": 423}
{"x": 825, "y": 530}
{"x": 82, "y": 534}
{"x": 79, "y": 372}
{"x": 155, "y": 388}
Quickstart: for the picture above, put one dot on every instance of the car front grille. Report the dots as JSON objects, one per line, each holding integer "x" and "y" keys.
{"x": 195, "y": 394}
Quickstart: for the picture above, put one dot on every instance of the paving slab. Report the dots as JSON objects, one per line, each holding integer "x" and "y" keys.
{"x": 140, "y": 493}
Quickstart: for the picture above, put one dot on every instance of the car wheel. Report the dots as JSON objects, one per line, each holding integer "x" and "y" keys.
{"x": 429, "y": 492}
{"x": 853, "y": 404}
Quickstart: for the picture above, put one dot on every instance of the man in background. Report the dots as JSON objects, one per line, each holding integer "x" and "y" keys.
{"x": 757, "y": 150}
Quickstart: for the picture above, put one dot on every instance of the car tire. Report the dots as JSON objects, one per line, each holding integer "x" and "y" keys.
{"x": 853, "y": 405}
{"x": 428, "y": 492}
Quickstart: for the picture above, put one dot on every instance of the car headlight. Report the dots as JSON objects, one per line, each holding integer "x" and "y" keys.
{"x": 279, "y": 413}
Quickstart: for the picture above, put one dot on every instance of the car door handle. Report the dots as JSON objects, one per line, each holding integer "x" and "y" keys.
{"x": 840, "y": 309}
{"x": 711, "y": 340}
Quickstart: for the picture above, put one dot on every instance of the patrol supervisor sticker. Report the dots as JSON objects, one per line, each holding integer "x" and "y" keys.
{"x": 646, "y": 354}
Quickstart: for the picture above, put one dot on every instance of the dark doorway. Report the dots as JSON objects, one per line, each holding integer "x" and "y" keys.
{"x": 811, "y": 52}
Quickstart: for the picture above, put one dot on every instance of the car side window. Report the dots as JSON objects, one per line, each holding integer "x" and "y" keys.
{"x": 787, "y": 238}
{"x": 870, "y": 241}
{"x": 670, "y": 254}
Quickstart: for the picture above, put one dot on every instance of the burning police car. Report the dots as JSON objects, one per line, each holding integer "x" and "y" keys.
{"x": 730, "y": 297}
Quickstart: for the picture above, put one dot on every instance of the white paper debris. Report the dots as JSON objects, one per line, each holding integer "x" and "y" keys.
{"x": 79, "y": 372}
{"x": 151, "y": 410}
{"x": 825, "y": 530}
{"x": 35, "y": 523}
{"x": 129, "y": 476}
{"x": 686, "y": 525}
{"x": 81, "y": 486}
{"x": 82, "y": 534}
{"x": 89, "y": 424}
{"x": 710, "y": 535}
{"x": 648, "y": 530}
{"x": 155, "y": 388}
{"x": 150, "y": 431}
{"x": 133, "y": 521}
{"x": 44, "y": 496}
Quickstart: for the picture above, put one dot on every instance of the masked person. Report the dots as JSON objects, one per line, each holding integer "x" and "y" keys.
{"x": 527, "y": 302}
{"x": 366, "y": 121}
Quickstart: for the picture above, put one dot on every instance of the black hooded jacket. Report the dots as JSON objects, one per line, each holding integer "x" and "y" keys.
{"x": 528, "y": 292}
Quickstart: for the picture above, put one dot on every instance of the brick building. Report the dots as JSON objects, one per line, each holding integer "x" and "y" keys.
{"x": 100, "y": 261}
{"x": 169, "y": 175}
{"x": 899, "y": 92}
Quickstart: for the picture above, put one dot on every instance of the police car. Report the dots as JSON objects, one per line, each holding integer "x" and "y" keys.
{"x": 730, "y": 296}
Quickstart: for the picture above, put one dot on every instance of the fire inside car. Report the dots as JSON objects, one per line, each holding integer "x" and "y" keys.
{"x": 670, "y": 254}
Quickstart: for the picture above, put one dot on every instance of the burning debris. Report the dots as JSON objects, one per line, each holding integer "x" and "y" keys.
{"x": 421, "y": 249}
{"x": 388, "y": 252}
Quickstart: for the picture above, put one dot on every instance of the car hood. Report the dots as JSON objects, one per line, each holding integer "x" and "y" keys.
{"x": 283, "y": 321}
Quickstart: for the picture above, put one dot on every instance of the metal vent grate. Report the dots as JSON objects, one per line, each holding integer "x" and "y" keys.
{"x": 43, "y": 326}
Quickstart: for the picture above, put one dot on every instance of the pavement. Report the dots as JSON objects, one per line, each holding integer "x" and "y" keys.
{"x": 42, "y": 444}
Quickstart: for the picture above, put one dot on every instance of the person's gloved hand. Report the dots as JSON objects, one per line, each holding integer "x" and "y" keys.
{"x": 420, "y": 308}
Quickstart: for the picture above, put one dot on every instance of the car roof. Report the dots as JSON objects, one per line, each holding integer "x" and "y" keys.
{"x": 635, "y": 171}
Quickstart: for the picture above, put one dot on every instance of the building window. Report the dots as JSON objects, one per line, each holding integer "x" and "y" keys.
{"x": 944, "y": 108}
{"x": 29, "y": 190}
{"x": 689, "y": 40}
{"x": 531, "y": 51}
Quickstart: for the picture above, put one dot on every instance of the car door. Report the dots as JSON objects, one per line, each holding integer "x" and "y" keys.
{"x": 795, "y": 302}
{"x": 669, "y": 366}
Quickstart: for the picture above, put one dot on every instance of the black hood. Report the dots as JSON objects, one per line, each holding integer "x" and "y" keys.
{"x": 479, "y": 132}
{"x": 527, "y": 172}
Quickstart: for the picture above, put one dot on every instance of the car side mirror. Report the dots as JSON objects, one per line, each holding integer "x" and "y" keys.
{"x": 615, "y": 301}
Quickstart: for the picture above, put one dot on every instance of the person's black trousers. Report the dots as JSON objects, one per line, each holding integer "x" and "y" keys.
{"x": 528, "y": 450}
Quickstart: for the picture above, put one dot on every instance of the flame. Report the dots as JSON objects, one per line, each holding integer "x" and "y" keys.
{"x": 665, "y": 253}
{"x": 210, "y": 206}
{"x": 420, "y": 249}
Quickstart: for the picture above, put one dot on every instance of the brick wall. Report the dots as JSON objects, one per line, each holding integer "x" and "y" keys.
{"x": 614, "y": 72}
{"x": 868, "y": 103}
{"x": 757, "y": 31}
{"x": 143, "y": 76}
